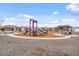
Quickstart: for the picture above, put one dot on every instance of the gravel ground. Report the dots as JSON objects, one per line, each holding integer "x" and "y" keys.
{"x": 10, "y": 46}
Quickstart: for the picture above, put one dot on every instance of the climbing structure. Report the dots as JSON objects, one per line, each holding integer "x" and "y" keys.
{"x": 33, "y": 27}
{"x": 42, "y": 31}
{"x": 34, "y": 31}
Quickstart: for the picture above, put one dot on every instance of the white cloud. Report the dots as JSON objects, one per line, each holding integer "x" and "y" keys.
{"x": 10, "y": 19}
{"x": 44, "y": 25}
{"x": 48, "y": 25}
{"x": 69, "y": 20}
{"x": 26, "y": 15}
{"x": 43, "y": 21}
{"x": 21, "y": 19}
{"x": 73, "y": 7}
{"x": 54, "y": 21}
{"x": 72, "y": 22}
{"x": 56, "y": 12}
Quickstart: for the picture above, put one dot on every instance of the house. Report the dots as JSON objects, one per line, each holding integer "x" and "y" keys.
{"x": 11, "y": 28}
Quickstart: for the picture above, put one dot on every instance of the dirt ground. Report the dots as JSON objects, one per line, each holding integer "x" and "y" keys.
{"x": 41, "y": 36}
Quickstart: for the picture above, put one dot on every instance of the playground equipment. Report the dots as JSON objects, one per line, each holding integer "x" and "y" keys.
{"x": 34, "y": 29}
{"x": 42, "y": 31}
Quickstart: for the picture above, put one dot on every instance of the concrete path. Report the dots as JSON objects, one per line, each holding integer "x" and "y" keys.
{"x": 28, "y": 47}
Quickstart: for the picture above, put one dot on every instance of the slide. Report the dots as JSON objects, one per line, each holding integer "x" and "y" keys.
{"x": 42, "y": 31}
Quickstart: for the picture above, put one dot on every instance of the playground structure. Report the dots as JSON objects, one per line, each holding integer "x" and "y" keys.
{"x": 34, "y": 31}
{"x": 33, "y": 27}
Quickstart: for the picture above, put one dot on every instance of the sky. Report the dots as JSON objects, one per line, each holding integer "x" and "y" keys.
{"x": 47, "y": 14}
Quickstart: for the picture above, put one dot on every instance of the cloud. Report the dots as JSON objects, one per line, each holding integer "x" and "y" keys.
{"x": 21, "y": 19}
{"x": 9, "y": 19}
{"x": 56, "y": 12}
{"x": 73, "y": 7}
{"x": 26, "y": 15}
{"x": 69, "y": 20}
{"x": 43, "y": 20}
{"x": 44, "y": 25}
{"x": 54, "y": 21}
{"x": 49, "y": 25}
